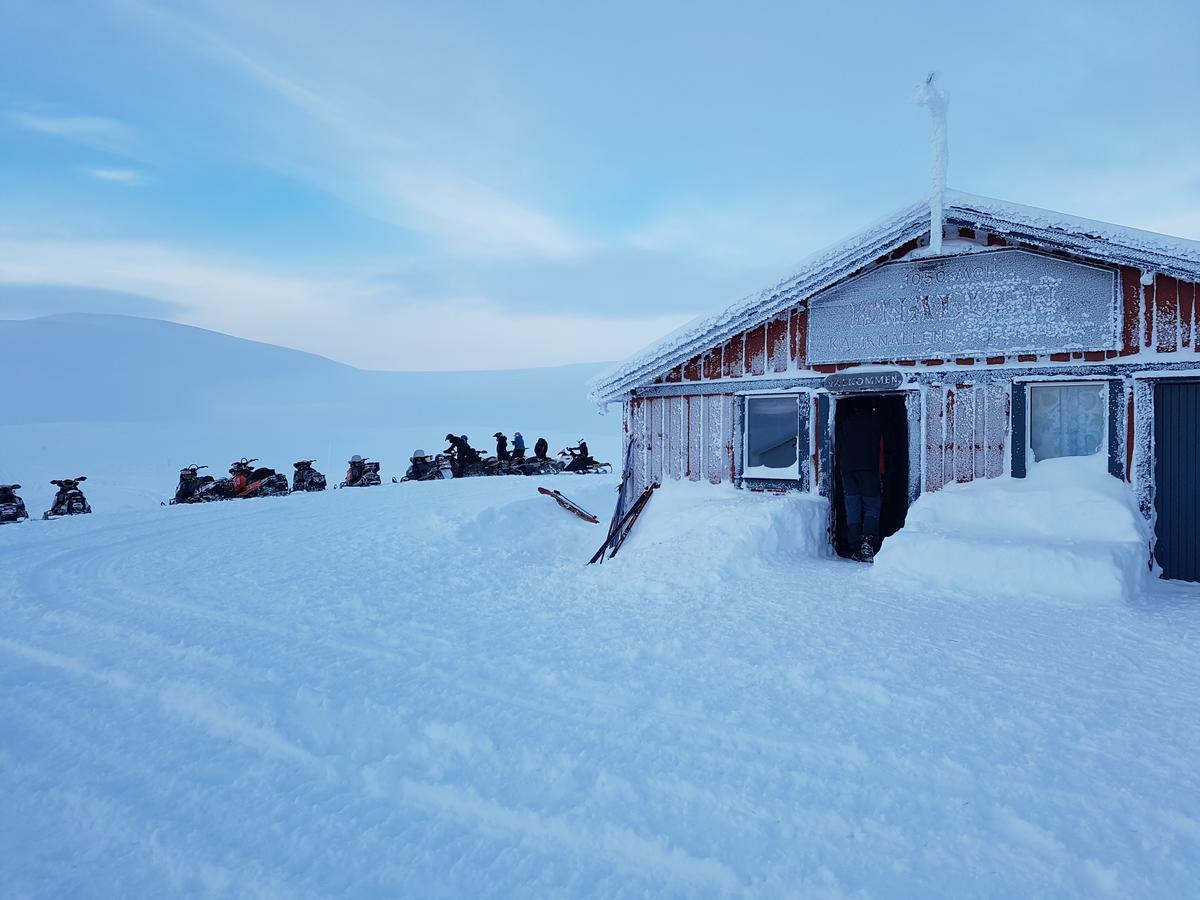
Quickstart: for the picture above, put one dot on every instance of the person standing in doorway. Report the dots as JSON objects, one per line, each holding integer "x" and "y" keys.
{"x": 860, "y": 454}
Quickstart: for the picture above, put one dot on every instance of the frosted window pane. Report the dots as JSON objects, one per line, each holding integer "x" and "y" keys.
{"x": 1066, "y": 420}
{"x": 771, "y": 436}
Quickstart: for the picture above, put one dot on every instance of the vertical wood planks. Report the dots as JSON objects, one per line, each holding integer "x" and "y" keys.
{"x": 1166, "y": 314}
{"x": 714, "y": 437}
{"x": 695, "y": 415}
{"x": 733, "y": 357}
{"x": 756, "y": 351}
{"x": 964, "y": 433}
{"x": 935, "y": 423}
{"x": 777, "y": 344}
{"x": 676, "y": 438}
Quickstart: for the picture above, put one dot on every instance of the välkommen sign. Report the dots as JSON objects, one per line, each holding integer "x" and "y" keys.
{"x": 990, "y": 303}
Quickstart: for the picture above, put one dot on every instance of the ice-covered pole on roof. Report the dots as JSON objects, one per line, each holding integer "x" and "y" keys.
{"x": 934, "y": 100}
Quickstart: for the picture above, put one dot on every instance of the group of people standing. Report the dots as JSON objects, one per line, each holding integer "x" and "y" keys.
{"x": 462, "y": 455}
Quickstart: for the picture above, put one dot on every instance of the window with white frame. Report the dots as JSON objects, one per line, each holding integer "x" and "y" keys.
{"x": 772, "y": 437}
{"x": 1067, "y": 419}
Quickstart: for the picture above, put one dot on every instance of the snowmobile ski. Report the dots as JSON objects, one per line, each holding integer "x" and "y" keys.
{"x": 569, "y": 505}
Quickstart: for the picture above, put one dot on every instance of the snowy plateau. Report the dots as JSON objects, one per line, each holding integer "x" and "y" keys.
{"x": 419, "y": 690}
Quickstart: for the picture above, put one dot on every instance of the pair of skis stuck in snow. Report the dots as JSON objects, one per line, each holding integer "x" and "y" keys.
{"x": 625, "y": 514}
{"x": 623, "y": 519}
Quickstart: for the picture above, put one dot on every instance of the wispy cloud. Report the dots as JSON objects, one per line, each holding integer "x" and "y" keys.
{"x": 326, "y": 315}
{"x": 98, "y": 132}
{"x": 119, "y": 176}
{"x": 368, "y": 157}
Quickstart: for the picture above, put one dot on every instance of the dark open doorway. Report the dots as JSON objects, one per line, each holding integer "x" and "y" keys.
{"x": 893, "y": 420}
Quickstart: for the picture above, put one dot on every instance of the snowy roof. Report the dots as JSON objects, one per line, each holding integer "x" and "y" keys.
{"x": 1095, "y": 240}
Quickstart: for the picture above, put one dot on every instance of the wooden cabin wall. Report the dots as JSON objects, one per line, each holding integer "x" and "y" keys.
{"x": 966, "y": 433}
{"x": 681, "y": 437}
{"x": 967, "y": 427}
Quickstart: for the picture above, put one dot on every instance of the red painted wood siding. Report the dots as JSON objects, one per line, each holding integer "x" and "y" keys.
{"x": 681, "y": 438}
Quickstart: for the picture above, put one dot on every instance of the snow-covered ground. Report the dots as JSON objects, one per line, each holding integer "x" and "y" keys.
{"x": 419, "y": 690}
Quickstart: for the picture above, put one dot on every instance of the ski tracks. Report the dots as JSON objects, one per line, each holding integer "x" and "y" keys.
{"x": 279, "y": 700}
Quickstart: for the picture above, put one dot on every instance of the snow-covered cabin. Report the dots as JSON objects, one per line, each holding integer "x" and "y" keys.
{"x": 1031, "y": 335}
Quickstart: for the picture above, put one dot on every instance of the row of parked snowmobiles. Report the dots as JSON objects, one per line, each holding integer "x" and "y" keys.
{"x": 460, "y": 460}
{"x": 69, "y": 501}
{"x": 247, "y": 480}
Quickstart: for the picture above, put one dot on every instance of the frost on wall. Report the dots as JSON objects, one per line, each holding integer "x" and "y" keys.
{"x": 966, "y": 432}
{"x": 681, "y": 437}
{"x": 1143, "y": 446}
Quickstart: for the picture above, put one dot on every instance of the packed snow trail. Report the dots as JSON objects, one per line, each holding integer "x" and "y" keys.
{"x": 421, "y": 690}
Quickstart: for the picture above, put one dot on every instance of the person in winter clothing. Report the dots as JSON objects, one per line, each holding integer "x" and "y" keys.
{"x": 421, "y": 466}
{"x": 580, "y": 458}
{"x": 860, "y": 461}
{"x": 461, "y": 454}
{"x": 502, "y": 454}
{"x": 355, "y": 473}
{"x": 518, "y": 447}
{"x": 540, "y": 448}
{"x": 454, "y": 451}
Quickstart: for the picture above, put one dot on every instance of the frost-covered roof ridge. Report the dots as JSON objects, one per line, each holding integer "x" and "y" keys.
{"x": 814, "y": 272}
{"x": 1103, "y": 241}
{"x": 1177, "y": 249}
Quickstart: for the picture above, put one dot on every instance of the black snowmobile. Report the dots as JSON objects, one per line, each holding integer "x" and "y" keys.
{"x": 539, "y": 466}
{"x": 249, "y": 481}
{"x": 306, "y": 478}
{"x": 196, "y": 488}
{"x": 426, "y": 468}
{"x": 69, "y": 501}
{"x": 12, "y": 507}
{"x": 580, "y": 462}
{"x": 362, "y": 473}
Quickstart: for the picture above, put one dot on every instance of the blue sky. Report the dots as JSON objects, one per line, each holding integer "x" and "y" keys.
{"x": 463, "y": 186}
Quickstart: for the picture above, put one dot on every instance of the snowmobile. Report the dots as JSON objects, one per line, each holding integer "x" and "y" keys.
{"x": 69, "y": 501}
{"x": 249, "y": 481}
{"x": 306, "y": 478}
{"x": 426, "y": 468}
{"x": 545, "y": 466}
{"x": 493, "y": 466}
{"x": 12, "y": 507}
{"x": 196, "y": 488}
{"x": 362, "y": 473}
{"x": 569, "y": 462}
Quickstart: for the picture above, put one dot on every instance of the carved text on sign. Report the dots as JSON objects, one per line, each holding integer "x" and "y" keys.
{"x": 997, "y": 302}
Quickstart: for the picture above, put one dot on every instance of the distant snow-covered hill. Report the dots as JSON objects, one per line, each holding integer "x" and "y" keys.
{"x": 129, "y": 400}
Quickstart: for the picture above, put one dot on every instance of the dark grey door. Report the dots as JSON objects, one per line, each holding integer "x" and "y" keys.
{"x": 1177, "y": 478}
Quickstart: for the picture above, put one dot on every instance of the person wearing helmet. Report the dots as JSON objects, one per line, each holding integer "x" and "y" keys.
{"x": 580, "y": 458}
{"x": 461, "y": 454}
{"x": 502, "y": 454}
{"x": 422, "y": 466}
{"x": 355, "y": 472}
{"x": 518, "y": 447}
{"x": 541, "y": 448}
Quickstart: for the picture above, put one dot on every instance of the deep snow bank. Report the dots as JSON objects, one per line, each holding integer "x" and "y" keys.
{"x": 1067, "y": 531}
{"x": 712, "y": 529}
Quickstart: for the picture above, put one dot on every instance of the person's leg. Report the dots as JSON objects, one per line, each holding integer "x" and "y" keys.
{"x": 872, "y": 506}
{"x": 852, "y": 504}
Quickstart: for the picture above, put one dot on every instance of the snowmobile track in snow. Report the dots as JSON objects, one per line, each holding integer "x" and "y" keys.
{"x": 322, "y": 697}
